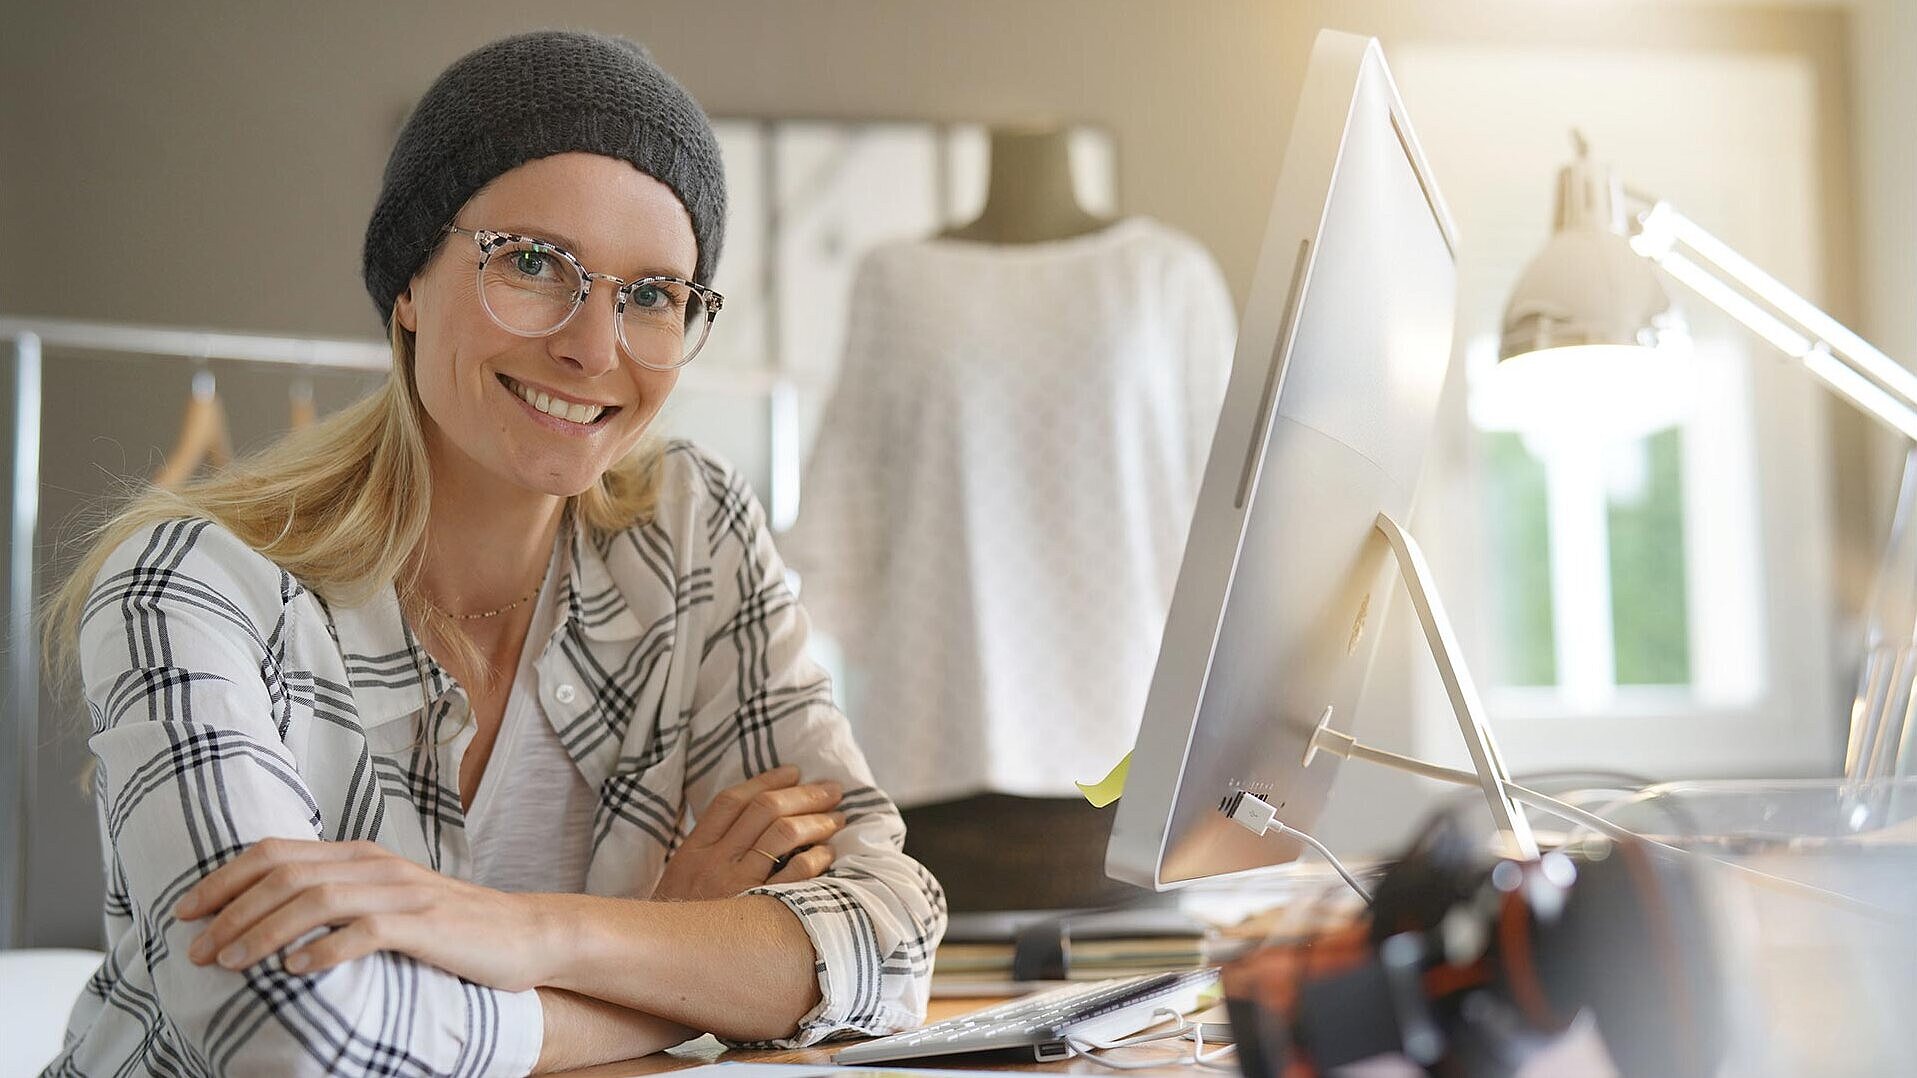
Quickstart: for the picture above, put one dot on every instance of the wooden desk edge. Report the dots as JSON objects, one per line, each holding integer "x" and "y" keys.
{"x": 705, "y": 1051}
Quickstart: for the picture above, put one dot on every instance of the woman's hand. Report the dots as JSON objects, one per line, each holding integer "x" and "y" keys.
{"x": 767, "y": 829}
{"x": 280, "y": 889}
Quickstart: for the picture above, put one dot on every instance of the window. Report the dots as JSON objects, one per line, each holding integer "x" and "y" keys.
{"x": 1623, "y": 569}
{"x": 1658, "y": 602}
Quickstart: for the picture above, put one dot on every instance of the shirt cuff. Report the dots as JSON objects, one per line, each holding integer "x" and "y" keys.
{"x": 848, "y": 962}
{"x": 522, "y": 1032}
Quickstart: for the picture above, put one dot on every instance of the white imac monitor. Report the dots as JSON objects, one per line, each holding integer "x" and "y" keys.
{"x": 1334, "y": 391}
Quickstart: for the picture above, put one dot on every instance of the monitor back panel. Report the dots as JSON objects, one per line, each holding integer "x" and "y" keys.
{"x": 1333, "y": 397}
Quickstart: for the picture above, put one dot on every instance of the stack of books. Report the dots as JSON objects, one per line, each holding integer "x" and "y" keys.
{"x": 1004, "y": 953}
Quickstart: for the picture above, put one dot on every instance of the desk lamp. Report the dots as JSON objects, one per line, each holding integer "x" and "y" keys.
{"x": 1592, "y": 309}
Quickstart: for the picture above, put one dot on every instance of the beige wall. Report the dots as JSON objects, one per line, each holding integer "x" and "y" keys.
{"x": 1884, "y": 44}
{"x": 213, "y": 163}
{"x": 151, "y": 140}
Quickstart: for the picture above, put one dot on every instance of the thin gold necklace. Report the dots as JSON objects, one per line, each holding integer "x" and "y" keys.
{"x": 487, "y": 614}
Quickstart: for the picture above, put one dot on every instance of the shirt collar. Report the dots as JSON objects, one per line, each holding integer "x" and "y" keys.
{"x": 386, "y": 666}
{"x": 590, "y": 596}
{"x": 389, "y": 674}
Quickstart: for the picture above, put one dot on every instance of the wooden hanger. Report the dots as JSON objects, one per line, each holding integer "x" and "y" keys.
{"x": 203, "y": 434}
{"x": 303, "y": 414}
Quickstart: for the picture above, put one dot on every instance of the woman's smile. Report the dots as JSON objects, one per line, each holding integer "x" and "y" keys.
{"x": 557, "y": 413}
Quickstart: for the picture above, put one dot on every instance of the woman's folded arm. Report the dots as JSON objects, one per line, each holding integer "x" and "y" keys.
{"x": 180, "y": 650}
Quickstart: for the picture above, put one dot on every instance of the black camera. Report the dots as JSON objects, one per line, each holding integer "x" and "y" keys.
{"x": 1470, "y": 964}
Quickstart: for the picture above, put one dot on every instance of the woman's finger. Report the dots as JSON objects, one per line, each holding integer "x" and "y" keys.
{"x": 725, "y": 808}
{"x": 805, "y": 865}
{"x": 223, "y": 883}
{"x": 356, "y": 940}
{"x": 281, "y": 885}
{"x": 327, "y": 904}
{"x": 771, "y": 805}
{"x": 789, "y": 833}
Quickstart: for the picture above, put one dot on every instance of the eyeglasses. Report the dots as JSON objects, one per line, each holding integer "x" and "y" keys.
{"x": 533, "y": 288}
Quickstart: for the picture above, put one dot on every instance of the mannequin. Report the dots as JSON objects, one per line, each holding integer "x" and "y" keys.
{"x": 1029, "y": 195}
{"x": 995, "y": 509}
{"x": 1006, "y": 851}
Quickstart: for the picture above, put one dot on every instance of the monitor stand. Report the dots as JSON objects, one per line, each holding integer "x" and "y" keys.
{"x": 1486, "y": 760}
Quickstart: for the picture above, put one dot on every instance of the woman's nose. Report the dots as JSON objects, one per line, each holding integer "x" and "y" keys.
{"x": 590, "y": 340}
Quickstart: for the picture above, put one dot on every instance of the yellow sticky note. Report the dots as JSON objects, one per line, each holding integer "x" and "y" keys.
{"x": 1106, "y": 790}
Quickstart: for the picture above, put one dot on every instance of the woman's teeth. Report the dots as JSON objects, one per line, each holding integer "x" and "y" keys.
{"x": 558, "y": 409}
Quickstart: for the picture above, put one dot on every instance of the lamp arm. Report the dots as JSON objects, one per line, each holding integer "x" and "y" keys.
{"x": 1879, "y": 741}
{"x": 1846, "y": 363}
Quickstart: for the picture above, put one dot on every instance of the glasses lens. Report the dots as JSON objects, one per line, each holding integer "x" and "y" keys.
{"x": 665, "y": 324}
{"x": 528, "y": 287}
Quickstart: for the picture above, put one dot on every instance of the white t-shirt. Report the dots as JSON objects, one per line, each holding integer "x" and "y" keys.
{"x": 530, "y": 825}
{"x": 996, "y": 507}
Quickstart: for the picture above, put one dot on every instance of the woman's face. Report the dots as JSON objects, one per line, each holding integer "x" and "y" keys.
{"x": 471, "y": 373}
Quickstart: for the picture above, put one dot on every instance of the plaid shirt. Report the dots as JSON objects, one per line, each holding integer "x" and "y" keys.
{"x": 231, "y": 704}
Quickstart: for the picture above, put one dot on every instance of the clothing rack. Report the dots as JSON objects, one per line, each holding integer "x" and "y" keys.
{"x": 26, "y": 338}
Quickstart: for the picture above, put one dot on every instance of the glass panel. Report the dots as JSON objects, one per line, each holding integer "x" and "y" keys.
{"x": 1521, "y": 549}
{"x": 843, "y": 189}
{"x": 1649, "y": 614}
{"x": 807, "y": 200}
{"x": 743, "y": 339}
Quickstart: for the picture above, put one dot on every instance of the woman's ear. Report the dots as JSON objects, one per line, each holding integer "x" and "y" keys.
{"x": 404, "y": 311}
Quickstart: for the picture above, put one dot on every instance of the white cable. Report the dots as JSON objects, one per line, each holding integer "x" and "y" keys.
{"x": 1169, "y": 1014}
{"x": 1255, "y": 814}
{"x": 1328, "y": 856}
{"x": 1084, "y": 1047}
{"x": 1210, "y": 1062}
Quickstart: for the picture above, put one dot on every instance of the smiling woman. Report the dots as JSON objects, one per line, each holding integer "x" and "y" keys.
{"x": 494, "y": 323}
{"x": 471, "y": 730}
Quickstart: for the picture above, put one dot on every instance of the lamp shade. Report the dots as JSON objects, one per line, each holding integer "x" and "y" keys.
{"x": 1588, "y": 287}
{"x": 1591, "y": 341}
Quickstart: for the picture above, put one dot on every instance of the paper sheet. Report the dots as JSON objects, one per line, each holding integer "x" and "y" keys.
{"x": 796, "y": 1070}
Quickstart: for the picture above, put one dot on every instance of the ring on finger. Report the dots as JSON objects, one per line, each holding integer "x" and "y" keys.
{"x": 770, "y": 857}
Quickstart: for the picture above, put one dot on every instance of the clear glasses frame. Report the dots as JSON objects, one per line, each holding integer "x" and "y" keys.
{"x": 490, "y": 242}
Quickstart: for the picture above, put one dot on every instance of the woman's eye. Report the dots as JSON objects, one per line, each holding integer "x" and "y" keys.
{"x": 651, "y": 297}
{"x": 530, "y": 262}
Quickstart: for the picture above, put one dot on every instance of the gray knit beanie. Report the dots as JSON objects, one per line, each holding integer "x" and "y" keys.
{"x": 531, "y": 96}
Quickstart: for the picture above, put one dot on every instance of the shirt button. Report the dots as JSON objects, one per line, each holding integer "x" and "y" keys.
{"x": 565, "y": 694}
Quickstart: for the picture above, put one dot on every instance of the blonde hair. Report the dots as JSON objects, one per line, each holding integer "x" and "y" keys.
{"x": 342, "y": 506}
